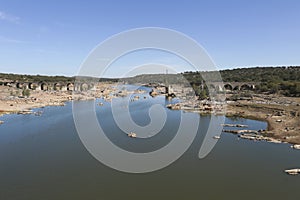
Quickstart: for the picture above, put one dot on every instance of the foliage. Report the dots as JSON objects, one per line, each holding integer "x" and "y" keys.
{"x": 26, "y": 92}
{"x": 281, "y": 80}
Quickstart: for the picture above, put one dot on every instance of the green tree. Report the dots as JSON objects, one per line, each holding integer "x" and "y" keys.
{"x": 26, "y": 92}
{"x": 273, "y": 87}
{"x": 203, "y": 94}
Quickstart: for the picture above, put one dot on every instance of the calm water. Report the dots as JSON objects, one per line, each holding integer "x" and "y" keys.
{"x": 42, "y": 157}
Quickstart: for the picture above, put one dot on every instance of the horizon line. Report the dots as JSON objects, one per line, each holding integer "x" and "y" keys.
{"x": 110, "y": 77}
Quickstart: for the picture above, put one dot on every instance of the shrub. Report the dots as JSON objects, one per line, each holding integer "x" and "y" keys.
{"x": 26, "y": 92}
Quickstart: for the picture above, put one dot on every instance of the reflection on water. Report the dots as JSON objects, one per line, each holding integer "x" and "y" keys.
{"x": 43, "y": 158}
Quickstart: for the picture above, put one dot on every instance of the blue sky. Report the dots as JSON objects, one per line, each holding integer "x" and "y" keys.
{"x": 54, "y": 37}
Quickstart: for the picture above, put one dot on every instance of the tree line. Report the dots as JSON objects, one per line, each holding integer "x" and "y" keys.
{"x": 282, "y": 80}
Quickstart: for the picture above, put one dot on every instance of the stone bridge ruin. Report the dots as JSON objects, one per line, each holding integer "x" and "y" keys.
{"x": 49, "y": 86}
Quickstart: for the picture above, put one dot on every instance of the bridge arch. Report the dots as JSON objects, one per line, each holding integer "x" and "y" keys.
{"x": 57, "y": 86}
{"x": 32, "y": 86}
{"x": 84, "y": 87}
{"x": 246, "y": 87}
{"x": 21, "y": 85}
{"x": 228, "y": 87}
{"x": 70, "y": 86}
{"x": 43, "y": 86}
{"x": 236, "y": 87}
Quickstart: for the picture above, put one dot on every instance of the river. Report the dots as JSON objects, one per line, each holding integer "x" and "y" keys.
{"x": 42, "y": 157}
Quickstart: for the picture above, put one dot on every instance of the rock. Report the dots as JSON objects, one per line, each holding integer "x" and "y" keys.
{"x": 231, "y": 131}
{"x": 292, "y": 171}
{"x": 24, "y": 112}
{"x": 132, "y": 135}
{"x": 296, "y": 146}
{"x": 259, "y": 138}
{"x": 153, "y": 93}
{"x": 274, "y": 141}
{"x": 240, "y": 131}
{"x": 38, "y": 113}
{"x": 234, "y": 125}
{"x": 249, "y": 137}
{"x": 174, "y": 106}
{"x": 1, "y": 122}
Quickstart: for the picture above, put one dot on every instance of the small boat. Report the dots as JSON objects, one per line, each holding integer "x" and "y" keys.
{"x": 216, "y": 137}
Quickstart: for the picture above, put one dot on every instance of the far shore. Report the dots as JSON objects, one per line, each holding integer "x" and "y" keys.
{"x": 283, "y": 120}
{"x": 11, "y": 100}
{"x": 281, "y": 113}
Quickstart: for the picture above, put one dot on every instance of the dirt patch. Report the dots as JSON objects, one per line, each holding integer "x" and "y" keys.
{"x": 283, "y": 118}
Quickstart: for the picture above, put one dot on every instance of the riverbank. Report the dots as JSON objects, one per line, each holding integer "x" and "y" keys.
{"x": 282, "y": 115}
{"x": 11, "y": 100}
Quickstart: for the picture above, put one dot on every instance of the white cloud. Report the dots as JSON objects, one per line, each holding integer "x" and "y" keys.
{"x": 10, "y": 18}
{"x": 10, "y": 40}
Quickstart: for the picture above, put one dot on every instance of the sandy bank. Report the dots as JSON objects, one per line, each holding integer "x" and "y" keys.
{"x": 283, "y": 118}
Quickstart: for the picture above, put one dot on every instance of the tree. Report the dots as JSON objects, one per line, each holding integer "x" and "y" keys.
{"x": 26, "y": 92}
{"x": 273, "y": 87}
{"x": 203, "y": 94}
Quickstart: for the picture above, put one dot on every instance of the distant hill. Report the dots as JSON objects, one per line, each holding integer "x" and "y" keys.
{"x": 285, "y": 80}
{"x": 254, "y": 74}
{"x": 262, "y": 74}
{"x": 35, "y": 78}
{"x": 43, "y": 78}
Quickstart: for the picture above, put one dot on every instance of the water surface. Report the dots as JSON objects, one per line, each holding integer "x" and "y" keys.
{"x": 42, "y": 157}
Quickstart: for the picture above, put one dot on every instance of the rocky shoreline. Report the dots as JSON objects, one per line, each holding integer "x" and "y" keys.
{"x": 11, "y": 103}
{"x": 283, "y": 120}
{"x": 281, "y": 113}
{"x": 16, "y": 104}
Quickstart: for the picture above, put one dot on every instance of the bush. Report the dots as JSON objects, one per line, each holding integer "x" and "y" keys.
{"x": 26, "y": 92}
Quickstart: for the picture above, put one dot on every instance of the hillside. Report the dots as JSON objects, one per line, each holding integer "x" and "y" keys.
{"x": 283, "y": 80}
